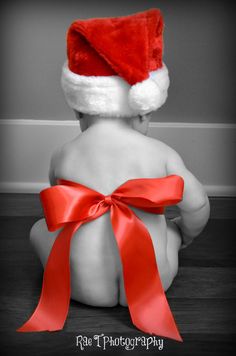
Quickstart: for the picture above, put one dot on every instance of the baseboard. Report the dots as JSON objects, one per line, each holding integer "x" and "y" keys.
{"x": 220, "y": 190}
{"x": 22, "y": 187}
{"x": 208, "y": 151}
{"x": 36, "y": 187}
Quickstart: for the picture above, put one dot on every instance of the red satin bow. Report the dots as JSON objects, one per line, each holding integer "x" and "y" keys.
{"x": 70, "y": 205}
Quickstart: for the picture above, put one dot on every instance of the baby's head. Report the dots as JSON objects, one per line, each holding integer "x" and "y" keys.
{"x": 115, "y": 69}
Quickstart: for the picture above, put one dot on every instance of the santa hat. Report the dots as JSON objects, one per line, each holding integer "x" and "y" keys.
{"x": 115, "y": 66}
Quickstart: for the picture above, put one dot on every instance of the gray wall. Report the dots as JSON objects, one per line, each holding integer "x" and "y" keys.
{"x": 198, "y": 52}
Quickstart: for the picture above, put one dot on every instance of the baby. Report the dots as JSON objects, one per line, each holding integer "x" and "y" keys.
{"x": 113, "y": 102}
{"x": 108, "y": 153}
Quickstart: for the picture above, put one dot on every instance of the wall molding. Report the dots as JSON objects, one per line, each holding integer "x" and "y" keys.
{"x": 208, "y": 150}
{"x": 36, "y": 187}
{"x": 74, "y": 123}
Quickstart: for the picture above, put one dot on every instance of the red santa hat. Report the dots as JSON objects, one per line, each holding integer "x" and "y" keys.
{"x": 115, "y": 66}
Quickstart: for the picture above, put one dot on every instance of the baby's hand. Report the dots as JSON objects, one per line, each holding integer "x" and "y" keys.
{"x": 186, "y": 240}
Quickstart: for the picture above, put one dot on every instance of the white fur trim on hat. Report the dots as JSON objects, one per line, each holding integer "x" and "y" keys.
{"x": 112, "y": 95}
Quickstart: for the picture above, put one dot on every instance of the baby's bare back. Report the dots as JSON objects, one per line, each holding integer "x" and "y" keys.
{"x": 103, "y": 160}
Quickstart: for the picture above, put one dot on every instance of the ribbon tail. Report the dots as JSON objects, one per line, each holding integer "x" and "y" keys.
{"x": 146, "y": 298}
{"x": 52, "y": 309}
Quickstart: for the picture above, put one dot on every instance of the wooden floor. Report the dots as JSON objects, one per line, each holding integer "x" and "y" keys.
{"x": 202, "y": 297}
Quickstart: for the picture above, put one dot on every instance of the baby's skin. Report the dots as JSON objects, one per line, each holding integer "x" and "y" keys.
{"x": 105, "y": 155}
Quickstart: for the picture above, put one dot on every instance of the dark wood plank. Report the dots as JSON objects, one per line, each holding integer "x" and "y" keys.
{"x": 29, "y": 205}
{"x": 61, "y": 344}
{"x": 193, "y": 316}
{"x": 20, "y": 205}
{"x": 204, "y": 282}
{"x": 220, "y": 208}
{"x": 202, "y": 296}
{"x": 16, "y": 227}
{"x": 191, "y": 282}
{"x": 223, "y": 207}
{"x": 214, "y": 247}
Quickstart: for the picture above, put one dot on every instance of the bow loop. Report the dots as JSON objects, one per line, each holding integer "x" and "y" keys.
{"x": 151, "y": 194}
{"x": 69, "y": 202}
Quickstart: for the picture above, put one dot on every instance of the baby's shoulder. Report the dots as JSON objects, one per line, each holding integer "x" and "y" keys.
{"x": 160, "y": 148}
{"x": 63, "y": 153}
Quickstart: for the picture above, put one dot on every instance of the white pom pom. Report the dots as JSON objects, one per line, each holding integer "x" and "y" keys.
{"x": 145, "y": 96}
{"x": 161, "y": 77}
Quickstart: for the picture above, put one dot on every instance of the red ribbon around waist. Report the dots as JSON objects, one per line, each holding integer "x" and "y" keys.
{"x": 69, "y": 205}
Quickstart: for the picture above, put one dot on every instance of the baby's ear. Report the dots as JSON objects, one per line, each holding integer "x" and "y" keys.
{"x": 78, "y": 115}
{"x": 145, "y": 117}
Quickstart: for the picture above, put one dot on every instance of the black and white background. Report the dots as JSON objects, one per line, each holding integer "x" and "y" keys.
{"x": 198, "y": 118}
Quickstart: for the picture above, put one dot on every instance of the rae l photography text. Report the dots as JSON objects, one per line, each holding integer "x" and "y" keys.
{"x": 104, "y": 342}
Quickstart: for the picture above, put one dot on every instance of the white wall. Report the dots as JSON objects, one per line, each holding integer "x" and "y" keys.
{"x": 209, "y": 151}
{"x": 197, "y": 119}
{"x": 198, "y": 51}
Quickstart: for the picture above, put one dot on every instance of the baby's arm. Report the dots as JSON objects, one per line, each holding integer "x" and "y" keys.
{"x": 53, "y": 163}
{"x": 195, "y": 207}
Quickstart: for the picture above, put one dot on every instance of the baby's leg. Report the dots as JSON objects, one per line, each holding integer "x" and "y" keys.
{"x": 174, "y": 241}
{"x": 42, "y": 240}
